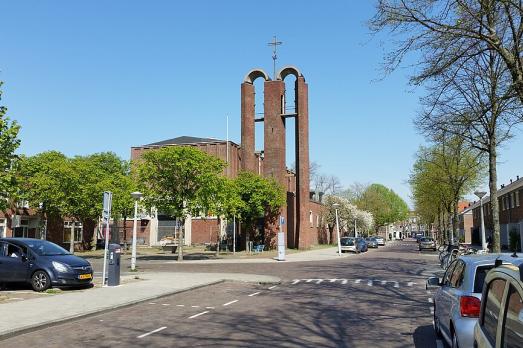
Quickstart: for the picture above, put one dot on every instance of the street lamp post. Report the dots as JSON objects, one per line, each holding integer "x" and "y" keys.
{"x": 481, "y": 194}
{"x": 336, "y": 205}
{"x": 137, "y": 196}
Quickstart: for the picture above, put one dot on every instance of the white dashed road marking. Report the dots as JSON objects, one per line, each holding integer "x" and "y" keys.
{"x": 197, "y": 315}
{"x": 357, "y": 281}
{"x": 230, "y": 303}
{"x": 272, "y": 287}
{"x": 180, "y": 305}
{"x": 430, "y": 299}
{"x": 152, "y": 332}
{"x": 369, "y": 282}
{"x": 254, "y": 294}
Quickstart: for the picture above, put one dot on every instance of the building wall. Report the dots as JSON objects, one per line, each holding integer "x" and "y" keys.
{"x": 217, "y": 149}
{"x": 204, "y": 231}
{"x": 510, "y": 199}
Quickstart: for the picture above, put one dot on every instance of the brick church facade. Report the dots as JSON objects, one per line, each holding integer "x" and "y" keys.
{"x": 303, "y": 227}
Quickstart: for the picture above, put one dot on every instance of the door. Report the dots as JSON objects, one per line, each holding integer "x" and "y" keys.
{"x": 445, "y": 299}
{"x": 13, "y": 263}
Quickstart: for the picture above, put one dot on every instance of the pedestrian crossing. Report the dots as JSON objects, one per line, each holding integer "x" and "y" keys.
{"x": 358, "y": 281}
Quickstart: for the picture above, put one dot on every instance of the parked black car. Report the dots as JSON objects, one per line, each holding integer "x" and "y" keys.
{"x": 42, "y": 264}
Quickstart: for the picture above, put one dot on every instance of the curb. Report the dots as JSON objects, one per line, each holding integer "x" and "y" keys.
{"x": 36, "y": 327}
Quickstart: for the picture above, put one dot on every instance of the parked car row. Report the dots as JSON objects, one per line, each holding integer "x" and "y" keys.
{"x": 359, "y": 244}
{"x": 42, "y": 264}
{"x": 478, "y": 302}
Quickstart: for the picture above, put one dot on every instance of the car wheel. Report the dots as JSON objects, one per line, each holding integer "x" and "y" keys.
{"x": 437, "y": 328}
{"x": 40, "y": 281}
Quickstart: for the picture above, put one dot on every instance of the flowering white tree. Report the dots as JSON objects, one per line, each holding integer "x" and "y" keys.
{"x": 348, "y": 213}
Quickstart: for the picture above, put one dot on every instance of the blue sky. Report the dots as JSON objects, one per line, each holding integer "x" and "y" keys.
{"x": 84, "y": 77}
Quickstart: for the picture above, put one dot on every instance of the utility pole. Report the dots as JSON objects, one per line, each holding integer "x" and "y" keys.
{"x": 274, "y": 43}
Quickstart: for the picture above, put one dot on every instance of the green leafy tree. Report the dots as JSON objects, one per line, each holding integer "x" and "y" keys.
{"x": 443, "y": 174}
{"x": 9, "y": 142}
{"x": 384, "y": 204}
{"x": 261, "y": 197}
{"x": 73, "y": 187}
{"x": 223, "y": 201}
{"x": 178, "y": 180}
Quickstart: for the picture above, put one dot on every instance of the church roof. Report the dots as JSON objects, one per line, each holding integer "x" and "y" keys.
{"x": 185, "y": 140}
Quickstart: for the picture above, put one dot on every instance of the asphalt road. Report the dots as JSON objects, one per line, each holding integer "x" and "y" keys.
{"x": 377, "y": 299}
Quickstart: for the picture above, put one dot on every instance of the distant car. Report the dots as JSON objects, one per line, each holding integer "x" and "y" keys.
{"x": 42, "y": 264}
{"x": 348, "y": 244}
{"x": 380, "y": 240}
{"x": 500, "y": 322}
{"x": 427, "y": 243}
{"x": 457, "y": 299}
{"x": 371, "y": 242}
{"x": 362, "y": 244}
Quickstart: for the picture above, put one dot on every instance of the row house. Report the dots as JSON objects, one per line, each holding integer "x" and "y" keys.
{"x": 510, "y": 214}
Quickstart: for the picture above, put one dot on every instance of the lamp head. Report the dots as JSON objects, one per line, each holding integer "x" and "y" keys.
{"x": 480, "y": 194}
{"x": 136, "y": 195}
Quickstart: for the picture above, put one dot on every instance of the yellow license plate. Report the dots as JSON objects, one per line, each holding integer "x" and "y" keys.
{"x": 84, "y": 276}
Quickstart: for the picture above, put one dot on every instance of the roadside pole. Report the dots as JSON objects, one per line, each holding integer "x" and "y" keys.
{"x": 281, "y": 241}
{"x": 106, "y": 216}
{"x": 234, "y": 235}
{"x": 338, "y": 233}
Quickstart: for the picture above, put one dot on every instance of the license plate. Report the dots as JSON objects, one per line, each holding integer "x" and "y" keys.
{"x": 84, "y": 276}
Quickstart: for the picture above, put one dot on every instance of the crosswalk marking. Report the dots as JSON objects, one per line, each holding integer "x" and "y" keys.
{"x": 343, "y": 281}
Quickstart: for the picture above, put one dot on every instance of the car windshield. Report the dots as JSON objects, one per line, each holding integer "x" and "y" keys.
{"x": 426, "y": 239}
{"x": 347, "y": 241}
{"x": 45, "y": 248}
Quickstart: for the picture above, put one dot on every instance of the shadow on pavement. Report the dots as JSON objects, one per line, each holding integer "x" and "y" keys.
{"x": 424, "y": 337}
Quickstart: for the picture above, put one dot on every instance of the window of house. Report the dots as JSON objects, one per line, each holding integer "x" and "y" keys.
{"x": 317, "y": 221}
{"x": 311, "y": 219}
{"x": 73, "y": 225}
{"x": 514, "y": 322}
{"x": 512, "y": 200}
{"x": 503, "y": 203}
{"x": 517, "y": 198}
{"x": 21, "y": 231}
{"x": 2, "y": 228}
{"x": 492, "y": 309}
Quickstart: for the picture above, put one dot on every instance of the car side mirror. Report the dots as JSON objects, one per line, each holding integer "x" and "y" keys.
{"x": 432, "y": 283}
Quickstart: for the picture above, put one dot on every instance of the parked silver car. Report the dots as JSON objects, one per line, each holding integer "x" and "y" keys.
{"x": 500, "y": 322}
{"x": 380, "y": 240}
{"x": 427, "y": 243}
{"x": 457, "y": 299}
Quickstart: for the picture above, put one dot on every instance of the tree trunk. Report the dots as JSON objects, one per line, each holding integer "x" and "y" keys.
{"x": 494, "y": 204}
{"x": 180, "y": 240}
{"x": 125, "y": 232}
{"x": 455, "y": 220}
{"x": 218, "y": 233}
{"x": 71, "y": 240}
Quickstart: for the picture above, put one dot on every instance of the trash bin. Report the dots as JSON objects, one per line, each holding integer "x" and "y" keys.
{"x": 113, "y": 276}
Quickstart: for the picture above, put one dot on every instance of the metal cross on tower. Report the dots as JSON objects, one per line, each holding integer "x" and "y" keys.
{"x": 274, "y": 43}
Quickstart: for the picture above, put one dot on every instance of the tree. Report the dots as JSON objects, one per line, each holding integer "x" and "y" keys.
{"x": 224, "y": 202}
{"x": 349, "y": 216}
{"x": 477, "y": 104}
{"x": 73, "y": 187}
{"x": 384, "y": 204}
{"x": 9, "y": 142}
{"x": 447, "y": 33}
{"x": 178, "y": 180}
{"x": 446, "y": 172}
{"x": 260, "y": 197}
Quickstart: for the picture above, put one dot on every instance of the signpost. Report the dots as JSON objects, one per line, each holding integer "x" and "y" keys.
{"x": 281, "y": 241}
{"x": 106, "y": 217}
